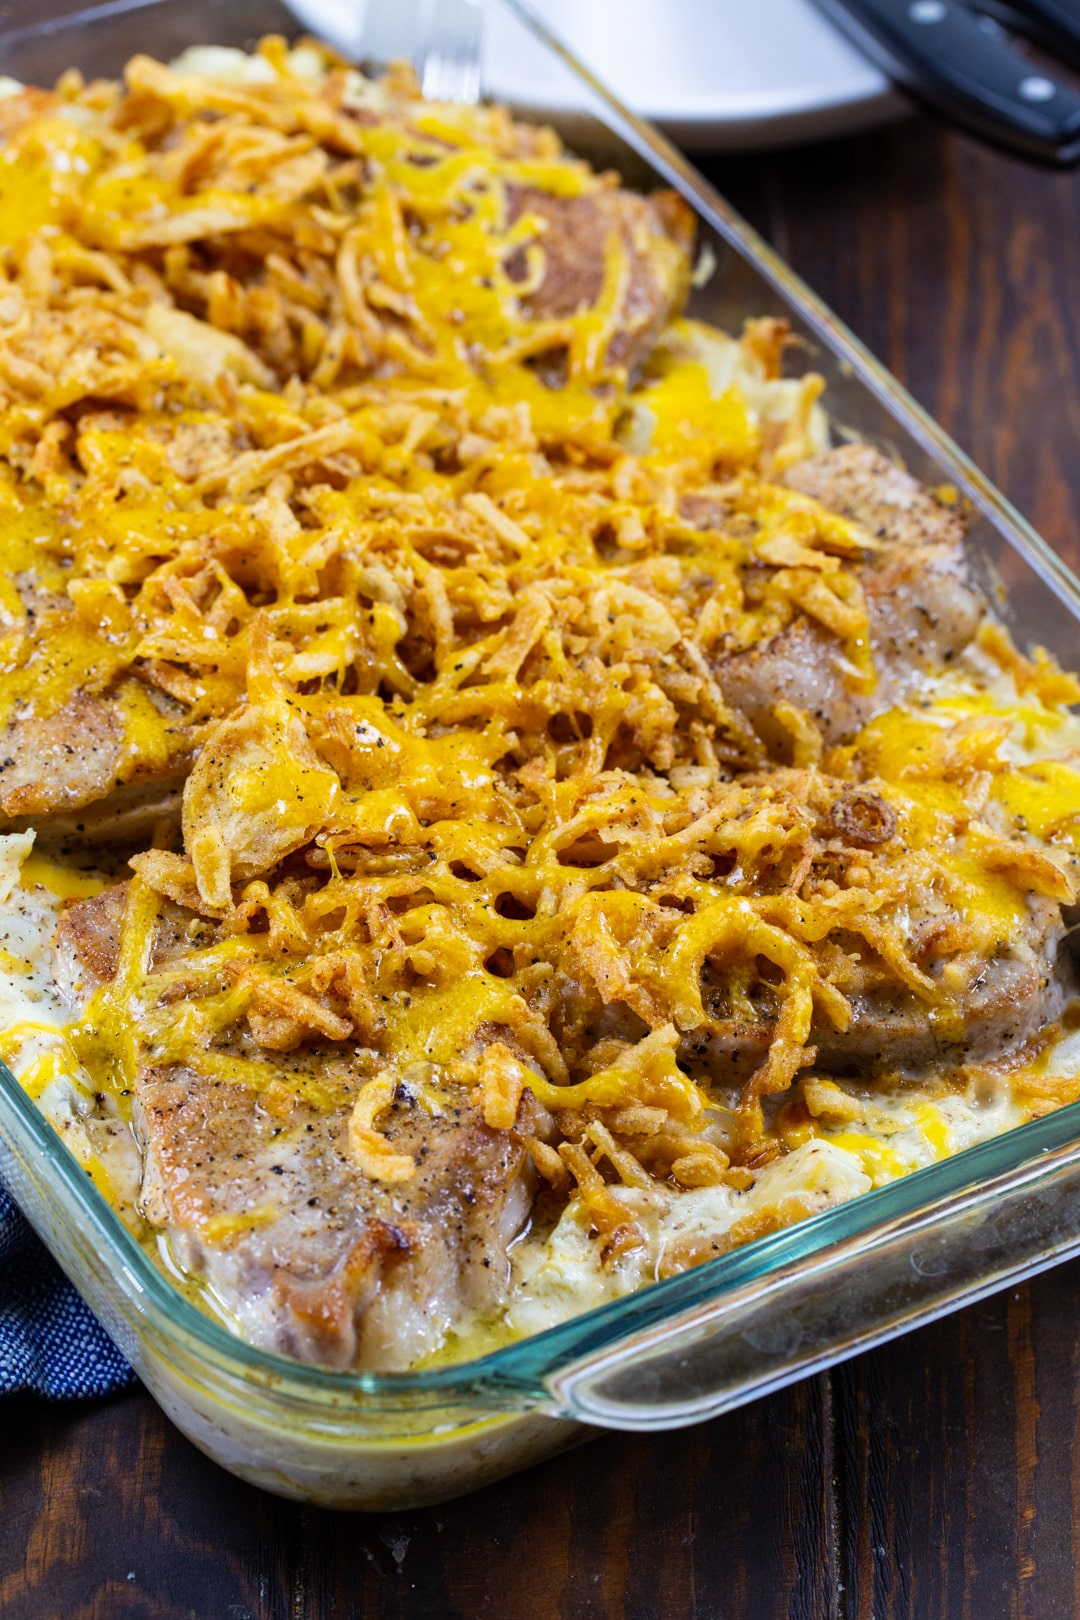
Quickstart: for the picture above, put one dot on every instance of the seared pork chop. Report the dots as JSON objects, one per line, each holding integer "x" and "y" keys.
{"x": 257, "y": 1188}
{"x": 1003, "y": 1001}
{"x": 656, "y": 234}
{"x": 78, "y": 774}
{"x": 921, "y": 605}
{"x": 996, "y": 1004}
{"x": 260, "y": 1195}
{"x": 862, "y": 484}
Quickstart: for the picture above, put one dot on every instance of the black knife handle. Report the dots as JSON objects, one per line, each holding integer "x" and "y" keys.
{"x": 940, "y": 51}
{"x": 1054, "y": 24}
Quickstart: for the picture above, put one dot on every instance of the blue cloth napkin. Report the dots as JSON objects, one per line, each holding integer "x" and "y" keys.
{"x": 50, "y": 1342}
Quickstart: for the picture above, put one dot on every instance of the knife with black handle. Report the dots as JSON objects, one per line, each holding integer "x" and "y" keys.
{"x": 1053, "y": 24}
{"x": 967, "y": 69}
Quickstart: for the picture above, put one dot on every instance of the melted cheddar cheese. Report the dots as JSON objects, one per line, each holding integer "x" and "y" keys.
{"x": 359, "y": 471}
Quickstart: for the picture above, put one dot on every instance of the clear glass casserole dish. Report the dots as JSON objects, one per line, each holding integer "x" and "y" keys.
{"x": 697, "y": 1344}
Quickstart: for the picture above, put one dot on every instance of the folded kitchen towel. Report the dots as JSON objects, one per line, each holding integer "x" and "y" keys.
{"x": 50, "y": 1342}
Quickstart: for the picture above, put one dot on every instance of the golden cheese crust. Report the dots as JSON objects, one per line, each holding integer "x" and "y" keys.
{"x": 524, "y": 722}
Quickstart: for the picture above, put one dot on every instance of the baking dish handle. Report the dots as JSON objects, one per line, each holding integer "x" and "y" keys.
{"x": 768, "y": 1332}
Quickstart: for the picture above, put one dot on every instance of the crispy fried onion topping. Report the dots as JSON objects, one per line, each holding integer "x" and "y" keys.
{"x": 650, "y": 964}
{"x": 354, "y": 450}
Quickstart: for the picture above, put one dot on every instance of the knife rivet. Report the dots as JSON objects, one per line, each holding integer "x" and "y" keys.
{"x": 1036, "y": 88}
{"x": 928, "y": 11}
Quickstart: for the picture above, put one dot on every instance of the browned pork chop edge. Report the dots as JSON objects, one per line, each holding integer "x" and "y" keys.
{"x": 1005, "y": 1001}
{"x": 337, "y": 1269}
{"x": 657, "y": 235}
{"x": 259, "y": 1193}
{"x": 922, "y": 607}
{"x": 66, "y": 774}
{"x": 88, "y": 935}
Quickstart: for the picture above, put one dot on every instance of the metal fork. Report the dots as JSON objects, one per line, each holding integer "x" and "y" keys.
{"x": 442, "y": 39}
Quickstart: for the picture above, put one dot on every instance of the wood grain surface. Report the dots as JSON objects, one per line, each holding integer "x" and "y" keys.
{"x": 934, "y": 1479}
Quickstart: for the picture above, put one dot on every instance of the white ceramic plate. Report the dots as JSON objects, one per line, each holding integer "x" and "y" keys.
{"x": 715, "y": 74}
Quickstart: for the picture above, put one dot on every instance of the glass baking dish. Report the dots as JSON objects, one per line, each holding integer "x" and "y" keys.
{"x": 732, "y": 1329}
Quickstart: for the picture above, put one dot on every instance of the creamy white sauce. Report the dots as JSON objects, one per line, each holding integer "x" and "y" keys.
{"x": 558, "y": 1275}
{"x": 232, "y": 66}
{"x": 728, "y": 365}
{"x": 35, "y": 1006}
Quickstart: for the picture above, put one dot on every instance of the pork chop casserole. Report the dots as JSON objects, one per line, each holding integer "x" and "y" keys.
{"x": 495, "y": 809}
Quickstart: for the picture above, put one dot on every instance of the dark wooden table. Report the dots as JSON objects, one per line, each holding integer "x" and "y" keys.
{"x": 937, "y": 1477}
